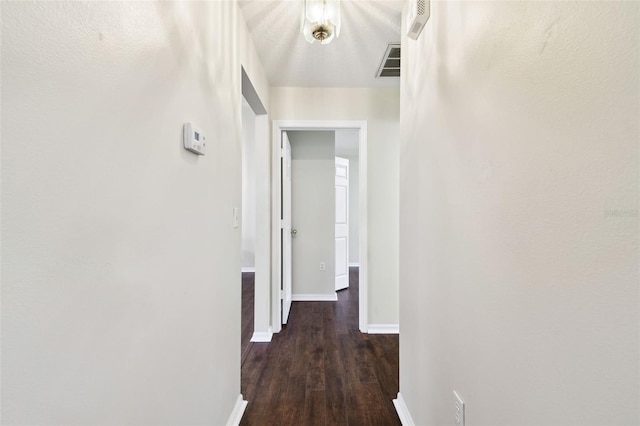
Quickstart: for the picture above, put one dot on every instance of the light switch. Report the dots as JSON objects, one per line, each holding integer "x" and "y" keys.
{"x": 236, "y": 217}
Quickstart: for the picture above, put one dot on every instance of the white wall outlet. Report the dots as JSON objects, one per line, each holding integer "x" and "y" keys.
{"x": 323, "y": 266}
{"x": 459, "y": 407}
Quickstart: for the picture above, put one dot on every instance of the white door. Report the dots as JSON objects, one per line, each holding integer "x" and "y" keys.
{"x": 286, "y": 228}
{"x": 342, "y": 223}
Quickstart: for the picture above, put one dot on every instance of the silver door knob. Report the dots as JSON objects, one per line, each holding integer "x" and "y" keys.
{"x": 294, "y": 231}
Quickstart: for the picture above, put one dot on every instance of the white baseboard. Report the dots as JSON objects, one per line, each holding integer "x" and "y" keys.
{"x": 262, "y": 337}
{"x": 354, "y": 265}
{"x": 248, "y": 269}
{"x": 383, "y": 329}
{"x": 314, "y": 297}
{"x": 403, "y": 411}
{"x": 238, "y": 411}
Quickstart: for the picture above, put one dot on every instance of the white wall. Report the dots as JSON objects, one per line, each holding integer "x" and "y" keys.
{"x": 120, "y": 264}
{"x": 519, "y": 281}
{"x": 313, "y": 211}
{"x": 380, "y": 108}
{"x": 248, "y": 187}
{"x": 347, "y": 147}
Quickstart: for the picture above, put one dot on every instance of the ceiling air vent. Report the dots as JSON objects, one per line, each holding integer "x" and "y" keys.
{"x": 390, "y": 66}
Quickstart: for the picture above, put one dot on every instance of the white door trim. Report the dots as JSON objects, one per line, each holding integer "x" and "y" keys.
{"x": 278, "y": 127}
{"x": 285, "y": 231}
{"x": 262, "y": 265}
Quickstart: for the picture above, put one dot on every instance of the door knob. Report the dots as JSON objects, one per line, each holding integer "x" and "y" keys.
{"x": 294, "y": 231}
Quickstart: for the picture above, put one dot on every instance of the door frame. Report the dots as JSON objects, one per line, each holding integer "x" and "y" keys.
{"x": 278, "y": 127}
{"x": 262, "y": 279}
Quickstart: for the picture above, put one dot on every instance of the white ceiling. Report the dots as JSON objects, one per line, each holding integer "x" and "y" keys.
{"x": 351, "y": 60}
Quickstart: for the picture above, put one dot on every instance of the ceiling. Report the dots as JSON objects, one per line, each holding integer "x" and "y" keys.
{"x": 351, "y": 60}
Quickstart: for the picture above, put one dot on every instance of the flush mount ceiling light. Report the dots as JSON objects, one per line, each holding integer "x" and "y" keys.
{"x": 320, "y": 20}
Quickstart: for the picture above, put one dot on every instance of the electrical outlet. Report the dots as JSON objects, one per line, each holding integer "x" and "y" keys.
{"x": 459, "y": 407}
{"x": 323, "y": 266}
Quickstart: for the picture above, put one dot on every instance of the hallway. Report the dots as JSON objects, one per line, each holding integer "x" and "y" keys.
{"x": 319, "y": 370}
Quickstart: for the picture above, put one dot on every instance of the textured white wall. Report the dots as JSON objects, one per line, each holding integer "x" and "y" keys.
{"x": 519, "y": 220}
{"x": 313, "y": 211}
{"x": 381, "y": 109}
{"x": 248, "y": 186}
{"x": 120, "y": 264}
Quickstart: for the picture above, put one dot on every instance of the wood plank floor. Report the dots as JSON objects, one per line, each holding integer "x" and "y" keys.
{"x": 320, "y": 370}
{"x": 247, "y": 312}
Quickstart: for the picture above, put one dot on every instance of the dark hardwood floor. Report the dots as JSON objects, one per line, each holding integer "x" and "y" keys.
{"x": 247, "y": 313}
{"x": 319, "y": 370}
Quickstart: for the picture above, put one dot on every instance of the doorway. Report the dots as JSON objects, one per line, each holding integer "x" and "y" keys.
{"x": 279, "y": 129}
{"x": 308, "y": 195}
{"x": 258, "y": 206}
{"x": 248, "y": 228}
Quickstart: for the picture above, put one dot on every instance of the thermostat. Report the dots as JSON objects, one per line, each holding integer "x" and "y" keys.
{"x": 193, "y": 139}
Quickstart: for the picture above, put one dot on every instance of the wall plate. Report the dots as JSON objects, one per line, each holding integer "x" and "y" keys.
{"x": 193, "y": 139}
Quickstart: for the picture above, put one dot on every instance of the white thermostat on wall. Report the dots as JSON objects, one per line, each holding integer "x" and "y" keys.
{"x": 193, "y": 139}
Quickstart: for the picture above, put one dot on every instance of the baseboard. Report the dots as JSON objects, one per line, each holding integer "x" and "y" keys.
{"x": 403, "y": 411}
{"x": 262, "y": 337}
{"x": 249, "y": 269}
{"x": 314, "y": 297}
{"x": 354, "y": 265}
{"x": 383, "y": 329}
{"x": 238, "y": 411}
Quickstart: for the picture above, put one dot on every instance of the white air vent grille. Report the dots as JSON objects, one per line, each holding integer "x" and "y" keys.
{"x": 390, "y": 65}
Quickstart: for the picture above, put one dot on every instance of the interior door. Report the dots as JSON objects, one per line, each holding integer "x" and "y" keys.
{"x": 285, "y": 230}
{"x": 342, "y": 223}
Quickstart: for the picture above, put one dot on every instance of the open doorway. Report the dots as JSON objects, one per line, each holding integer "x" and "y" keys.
{"x": 279, "y": 260}
{"x": 256, "y": 218}
{"x": 323, "y": 200}
{"x": 311, "y": 197}
{"x": 248, "y": 225}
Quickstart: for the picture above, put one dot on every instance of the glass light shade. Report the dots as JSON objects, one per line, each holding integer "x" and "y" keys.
{"x": 320, "y": 20}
